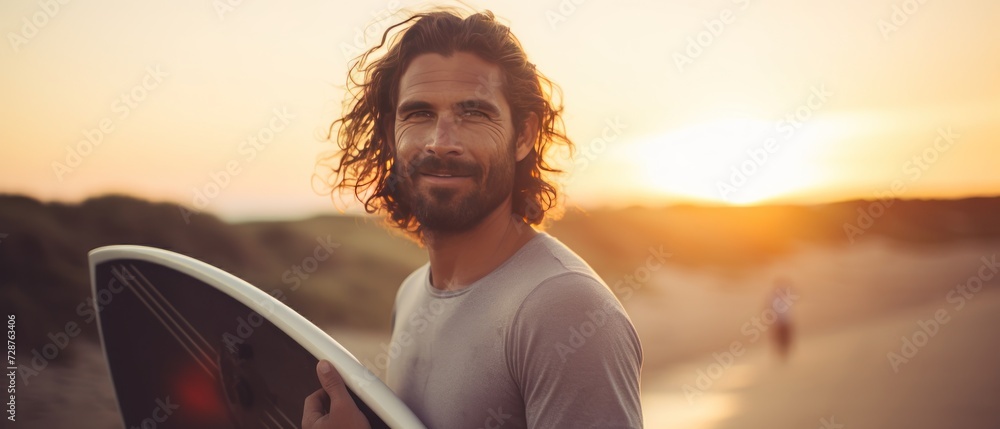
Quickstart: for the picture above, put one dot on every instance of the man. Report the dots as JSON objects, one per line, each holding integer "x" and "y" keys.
{"x": 447, "y": 134}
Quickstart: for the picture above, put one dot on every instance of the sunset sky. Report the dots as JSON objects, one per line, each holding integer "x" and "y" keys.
{"x": 667, "y": 101}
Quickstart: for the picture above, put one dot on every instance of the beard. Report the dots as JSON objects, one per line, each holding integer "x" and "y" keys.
{"x": 450, "y": 210}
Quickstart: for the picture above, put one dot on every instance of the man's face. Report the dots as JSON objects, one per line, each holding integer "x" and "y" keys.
{"x": 455, "y": 142}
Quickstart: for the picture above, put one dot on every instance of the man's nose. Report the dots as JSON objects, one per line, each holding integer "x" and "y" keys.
{"x": 444, "y": 137}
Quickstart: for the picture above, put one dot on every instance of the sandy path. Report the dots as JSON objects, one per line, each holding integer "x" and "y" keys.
{"x": 845, "y": 378}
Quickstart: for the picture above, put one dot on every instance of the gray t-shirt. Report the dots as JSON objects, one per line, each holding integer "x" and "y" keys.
{"x": 540, "y": 342}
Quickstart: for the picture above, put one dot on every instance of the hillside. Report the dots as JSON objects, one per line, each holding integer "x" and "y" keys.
{"x": 43, "y": 255}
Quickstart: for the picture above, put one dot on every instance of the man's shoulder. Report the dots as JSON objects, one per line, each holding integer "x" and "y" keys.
{"x": 562, "y": 279}
{"x": 417, "y": 276}
{"x": 571, "y": 314}
{"x": 412, "y": 284}
{"x": 549, "y": 259}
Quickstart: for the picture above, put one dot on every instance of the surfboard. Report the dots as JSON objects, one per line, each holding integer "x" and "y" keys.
{"x": 189, "y": 345}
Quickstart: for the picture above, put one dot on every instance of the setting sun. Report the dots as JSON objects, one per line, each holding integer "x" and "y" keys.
{"x": 734, "y": 161}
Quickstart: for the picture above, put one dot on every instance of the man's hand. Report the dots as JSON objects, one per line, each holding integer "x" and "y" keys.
{"x": 342, "y": 414}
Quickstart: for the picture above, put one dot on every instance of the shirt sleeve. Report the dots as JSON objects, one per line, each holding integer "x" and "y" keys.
{"x": 575, "y": 356}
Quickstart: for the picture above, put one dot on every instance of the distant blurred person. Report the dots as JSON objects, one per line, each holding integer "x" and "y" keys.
{"x": 780, "y": 302}
{"x": 447, "y": 134}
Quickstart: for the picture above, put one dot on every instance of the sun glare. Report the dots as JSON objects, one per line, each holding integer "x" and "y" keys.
{"x": 734, "y": 161}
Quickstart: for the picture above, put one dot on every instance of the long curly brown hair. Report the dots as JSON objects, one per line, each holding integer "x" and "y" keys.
{"x": 363, "y": 160}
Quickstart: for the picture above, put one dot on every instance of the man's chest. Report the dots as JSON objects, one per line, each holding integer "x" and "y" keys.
{"x": 449, "y": 364}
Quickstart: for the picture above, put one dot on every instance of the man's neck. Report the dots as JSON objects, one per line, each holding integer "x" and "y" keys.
{"x": 459, "y": 259}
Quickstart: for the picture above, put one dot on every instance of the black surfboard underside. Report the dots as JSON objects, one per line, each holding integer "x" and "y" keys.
{"x": 186, "y": 355}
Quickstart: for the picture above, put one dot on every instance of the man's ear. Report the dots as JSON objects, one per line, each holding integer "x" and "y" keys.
{"x": 526, "y": 140}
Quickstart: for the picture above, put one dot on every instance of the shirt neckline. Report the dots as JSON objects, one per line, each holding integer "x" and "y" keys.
{"x": 438, "y": 293}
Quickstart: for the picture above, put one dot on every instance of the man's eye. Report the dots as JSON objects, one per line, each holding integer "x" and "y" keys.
{"x": 418, "y": 115}
{"x": 475, "y": 113}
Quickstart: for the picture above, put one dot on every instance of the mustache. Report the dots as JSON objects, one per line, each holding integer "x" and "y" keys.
{"x": 436, "y": 164}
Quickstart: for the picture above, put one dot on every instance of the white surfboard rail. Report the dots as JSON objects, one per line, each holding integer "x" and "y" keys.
{"x": 359, "y": 379}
